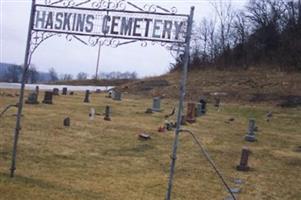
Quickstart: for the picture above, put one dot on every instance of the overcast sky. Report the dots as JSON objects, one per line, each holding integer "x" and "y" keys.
{"x": 74, "y": 57}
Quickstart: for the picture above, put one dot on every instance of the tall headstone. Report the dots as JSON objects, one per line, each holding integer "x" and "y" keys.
{"x": 199, "y": 110}
{"x": 190, "y": 116}
{"x": 251, "y": 137}
{"x": 32, "y": 98}
{"x": 117, "y": 96}
{"x": 108, "y": 113}
{"x": 156, "y": 104}
{"x": 37, "y": 91}
{"x": 203, "y": 103}
{"x": 56, "y": 91}
{"x": 65, "y": 91}
{"x": 87, "y": 96}
{"x": 48, "y": 97}
{"x": 243, "y": 165}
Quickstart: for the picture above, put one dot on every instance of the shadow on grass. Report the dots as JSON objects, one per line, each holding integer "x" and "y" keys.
{"x": 31, "y": 182}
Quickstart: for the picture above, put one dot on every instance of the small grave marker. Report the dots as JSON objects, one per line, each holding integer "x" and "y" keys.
{"x": 156, "y": 104}
{"x": 199, "y": 110}
{"x": 243, "y": 166}
{"x": 87, "y": 97}
{"x": 203, "y": 103}
{"x": 117, "y": 96}
{"x": 149, "y": 111}
{"x": 48, "y": 96}
{"x": 92, "y": 114}
{"x": 37, "y": 90}
{"x": 56, "y": 91}
{"x": 217, "y": 102}
{"x": 108, "y": 113}
{"x": 32, "y": 98}
{"x": 251, "y": 137}
{"x": 67, "y": 122}
{"x": 65, "y": 91}
{"x": 144, "y": 136}
{"x": 190, "y": 117}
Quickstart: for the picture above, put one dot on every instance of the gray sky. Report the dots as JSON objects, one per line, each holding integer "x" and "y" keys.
{"x": 73, "y": 57}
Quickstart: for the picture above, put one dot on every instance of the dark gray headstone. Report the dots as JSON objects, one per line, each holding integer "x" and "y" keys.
{"x": 67, "y": 122}
{"x": 37, "y": 90}
{"x": 87, "y": 97}
{"x": 65, "y": 91}
{"x": 116, "y": 95}
{"x": 199, "y": 110}
{"x": 203, "y": 103}
{"x": 48, "y": 96}
{"x": 243, "y": 165}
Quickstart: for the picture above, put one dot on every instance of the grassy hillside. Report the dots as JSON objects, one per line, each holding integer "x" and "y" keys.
{"x": 105, "y": 160}
{"x": 238, "y": 85}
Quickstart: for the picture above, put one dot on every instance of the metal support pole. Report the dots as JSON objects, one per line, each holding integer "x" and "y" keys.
{"x": 181, "y": 105}
{"x": 21, "y": 98}
{"x": 98, "y": 58}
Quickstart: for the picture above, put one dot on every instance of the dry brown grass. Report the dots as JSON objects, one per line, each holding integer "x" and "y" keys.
{"x": 105, "y": 160}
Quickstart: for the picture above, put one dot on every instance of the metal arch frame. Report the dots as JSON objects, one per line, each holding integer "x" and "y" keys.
{"x": 40, "y": 36}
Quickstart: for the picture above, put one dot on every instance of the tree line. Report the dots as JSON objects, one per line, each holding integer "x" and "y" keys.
{"x": 265, "y": 33}
{"x": 13, "y": 73}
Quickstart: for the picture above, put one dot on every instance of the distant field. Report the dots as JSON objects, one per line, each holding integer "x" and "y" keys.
{"x": 105, "y": 160}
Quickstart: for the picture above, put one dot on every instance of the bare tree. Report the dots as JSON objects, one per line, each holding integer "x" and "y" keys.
{"x": 53, "y": 74}
{"x": 82, "y": 76}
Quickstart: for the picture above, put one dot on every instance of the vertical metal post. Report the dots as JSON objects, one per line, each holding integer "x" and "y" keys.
{"x": 98, "y": 58}
{"x": 21, "y": 98}
{"x": 181, "y": 105}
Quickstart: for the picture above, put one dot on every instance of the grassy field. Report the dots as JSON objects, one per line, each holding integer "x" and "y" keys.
{"x": 105, "y": 160}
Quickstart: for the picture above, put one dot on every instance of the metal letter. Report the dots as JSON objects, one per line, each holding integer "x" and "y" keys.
{"x": 167, "y": 29}
{"x": 136, "y": 26}
{"x": 126, "y": 26}
{"x": 156, "y": 28}
{"x": 114, "y": 24}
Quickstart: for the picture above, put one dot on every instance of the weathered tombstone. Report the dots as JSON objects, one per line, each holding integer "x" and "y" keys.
{"x": 32, "y": 98}
{"x": 92, "y": 114}
{"x": 157, "y": 104}
{"x": 190, "y": 116}
{"x": 56, "y": 91}
{"x": 87, "y": 99}
{"x": 107, "y": 113}
{"x": 243, "y": 166}
{"x": 37, "y": 90}
{"x": 71, "y": 93}
{"x": 98, "y": 91}
{"x": 217, "y": 102}
{"x": 251, "y": 137}
{"x": 203, "y": 103}
{"x": 199, "y": 110}
{"x": 67, "y": 122}
{"x": 117, "y": 96}
{"x": 65, "y": 91}
{"x": 48, "y": 97}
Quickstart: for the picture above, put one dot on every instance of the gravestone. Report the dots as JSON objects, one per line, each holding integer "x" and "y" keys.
{"x": 190, "y": 116}
{"x": 65, "y": 91}
{"x": 56, "y": 91}
{"x": 156, "y": 104}
{"x": 144, "y": 136}
{"x": 32, "y": 98}
{"x": 71, "y": 93}
{"x": 251, "y": 137}
{"x": 67, "y": 122}
{"x": 108, "y": 113}
{"x": 199, "y": 110}
{"x": 149, "y": 111}
{"x": 92, "y": 114}
{"x": 116, "y": 96}
{"x": 48, "y": 97}
{"x": 37, "y": 90}
{"x": 243, "y": 165}
{"x": 98, "y": 91}
{"x": 87, "y": 95}
{"x": 203, "y": 103}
